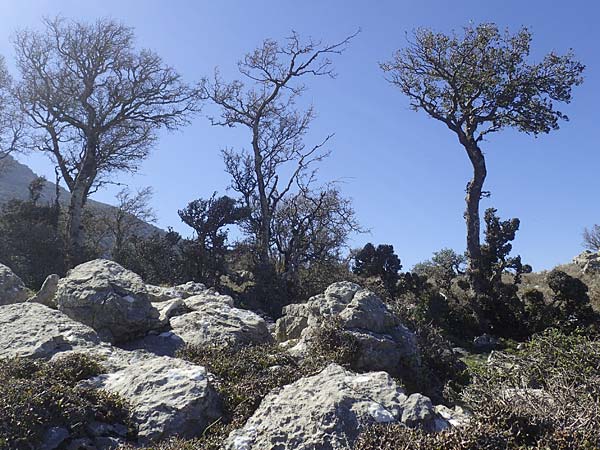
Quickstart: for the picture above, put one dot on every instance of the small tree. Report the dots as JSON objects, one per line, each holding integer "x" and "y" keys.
{"x": 279, "y": 159}
{"x": 478, "y": 84}
{"x": 591, "y": 238}
{"x": 94, "y": 104}
{"x": 131, "y": 212}
{"x": 379, "y": 262}
{"x": 208, "y": 218}
{"x": 11, "y": 122}
{"x": 311, "y": 227}
{"x": 498, "y": 307}
{"x": 443, "y": 267}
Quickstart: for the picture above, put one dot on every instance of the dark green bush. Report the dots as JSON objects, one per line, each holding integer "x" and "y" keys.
{"x": 36, "y": 395}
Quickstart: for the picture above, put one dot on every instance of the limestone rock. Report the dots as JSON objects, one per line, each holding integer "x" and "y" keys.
{"x": 34, "y": 330}
{"x": 47, "y": 292}
{"x": 169, "y": 397}
{"x": 161, "y": 293}
{"x": 384, "y": 342}
{"x": 170, "y": 308}
{"x": 219, "y": 323}
{"x": 588, "y": 261}
{"x": 12, "y": 289}
{"x": 328, "y": 411}
{"x": 197, "y": 302}
{"x": 110, "y": 299}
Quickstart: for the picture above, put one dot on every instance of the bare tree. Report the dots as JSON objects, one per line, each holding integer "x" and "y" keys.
{"x": 279, "y": 159}
{"x": 591, "y": 238}
{"x": 478, "y": 84}
{"x": 11, "y": 121}
{"x": 133, "y": 210}
{"x": 95, "y": 104}
{"x": 311, "y": 227}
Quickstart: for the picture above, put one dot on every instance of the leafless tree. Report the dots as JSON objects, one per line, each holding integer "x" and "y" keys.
{"x": 591, "y": 238}
{"x": 478, "y": 84}
{"x": 279, "y": 159}
{"x": 11, "y": 121}
{"x": 95, "y": 104}
{"x": 132, "y": 211}
{"x": 311, "y": 226}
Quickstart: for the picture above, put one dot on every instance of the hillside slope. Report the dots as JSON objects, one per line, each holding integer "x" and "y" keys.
{"x": 15, "y": 178}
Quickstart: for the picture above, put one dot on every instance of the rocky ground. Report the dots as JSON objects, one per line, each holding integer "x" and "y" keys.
{"x": 134, "y": 330}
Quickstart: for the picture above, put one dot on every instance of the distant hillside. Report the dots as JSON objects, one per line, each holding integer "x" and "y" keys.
{"x": 15, "y": 178}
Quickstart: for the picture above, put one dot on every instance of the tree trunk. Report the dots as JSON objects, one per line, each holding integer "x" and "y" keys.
{"x": 473, "y": 197}
{"x": 75, "y": 234}
{"x": 264, "y": 237}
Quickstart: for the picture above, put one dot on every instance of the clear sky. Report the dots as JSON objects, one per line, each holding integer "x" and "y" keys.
{"x": 405, "y": 172}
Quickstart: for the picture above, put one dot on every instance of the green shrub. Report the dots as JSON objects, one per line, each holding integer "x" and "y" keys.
{"x": 545, "y": 396}
{"x": 36, "y": 395}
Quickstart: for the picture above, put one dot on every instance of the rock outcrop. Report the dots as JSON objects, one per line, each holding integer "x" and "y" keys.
{"x": 110, "y": 299}
{"x": 329, "y": 410}
{"x": 36, "y": 331}
{"x": 588, "y": 261}
{"x": 46, "y": 294}
{"x": 219, "y": 323}
{"x": 169, "y": 397}
{"x": 162, "y": 293}
{"x": 384, "y": 342}
{"x": 12, "y": 289}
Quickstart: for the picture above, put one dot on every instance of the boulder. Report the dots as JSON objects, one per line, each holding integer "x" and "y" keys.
{"x": 12, "y": 289}
{"x": 329, "y": 410}
{"x": 170, "y": 308}
{"x": 162, "y": 293}
{"x": 34, "y": 330}
{"x": 109, "y": 298}
{"x": 197, "y": 302}
{"x": 111, "y": 358}
{"x": 384, "y": 342}
{"x": 170, "y": 397}
{"x": 47, "y": 292}
{"x": 219, "y": 323}
{"x": 588, "y": 261}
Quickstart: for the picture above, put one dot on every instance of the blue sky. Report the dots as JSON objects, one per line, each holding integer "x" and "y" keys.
{"x": 405, "y": 172}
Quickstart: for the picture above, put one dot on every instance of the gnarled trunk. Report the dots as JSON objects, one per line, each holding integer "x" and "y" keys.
{"x": 75, "y": 232}
{"x": 473, "y": 197}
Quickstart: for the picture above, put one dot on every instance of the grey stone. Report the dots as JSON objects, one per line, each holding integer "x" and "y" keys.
{"x": 170, "y": 397}
{"x": 34, "y": 330}
{"x": 170, "y": 308}
{"x": 110, "y": 299}
{"x": 218, "y": 323}
{"x": 328, "y": 411}
{"x": 384, "y": 342}
{"x": 162, "y": 293}
{"x": 47, "y": 292}
{"x": 12, "y": 289}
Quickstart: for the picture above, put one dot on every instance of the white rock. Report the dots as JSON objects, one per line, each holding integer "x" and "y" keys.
{"x": 170, "y": 397}
{"x": 12, "y": 289}
{"x": 34, "y": 330}
{"x": 108, "y": 298}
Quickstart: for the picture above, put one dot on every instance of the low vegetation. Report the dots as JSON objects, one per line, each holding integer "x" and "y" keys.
{"x": 546, "y": 395}
{"x": 37, "y": 395}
